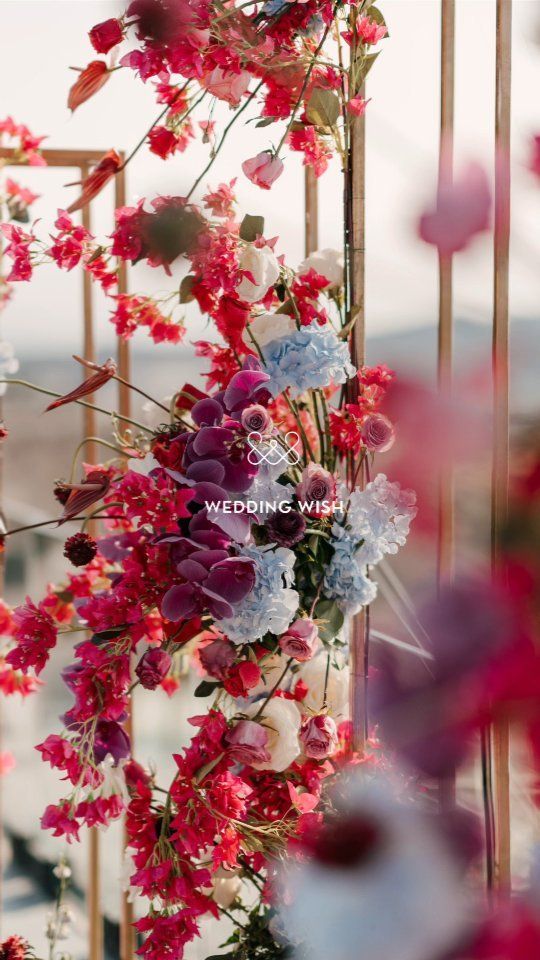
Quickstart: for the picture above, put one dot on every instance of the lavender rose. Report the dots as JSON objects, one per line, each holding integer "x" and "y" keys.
{"x": 316, "y": 490}
{"x": 378, "y": 433}
{"x": 256, "y": 419}
{"x": 217, "y": 658}
{"x": 319, "y": 737}
{"x": 247, "y": 742}
{"x": 301, "y": 640}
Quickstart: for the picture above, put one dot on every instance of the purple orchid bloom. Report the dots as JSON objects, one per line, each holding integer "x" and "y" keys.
{"x": 246, "y": 388}
{"x": 111, "y": 738}
{"x": 213, "y": 581}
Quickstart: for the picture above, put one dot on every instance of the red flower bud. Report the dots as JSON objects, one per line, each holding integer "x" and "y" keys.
{"x": 104, "y": 36}
{"x": 89, "y": 81}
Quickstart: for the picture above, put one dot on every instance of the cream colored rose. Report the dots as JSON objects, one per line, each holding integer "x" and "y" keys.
{"x": 262, "y": 265}
{"x": 313, "y": 673}
{"x": 281, "y": 720}
{"x": 270, "y": 326}
{"x": 328, "y": 263}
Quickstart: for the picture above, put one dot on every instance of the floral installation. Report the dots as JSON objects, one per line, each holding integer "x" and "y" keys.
{"x": 246, "y": 530}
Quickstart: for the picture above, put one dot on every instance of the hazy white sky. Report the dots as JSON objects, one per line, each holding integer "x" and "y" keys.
{"x": 40, "y": 39}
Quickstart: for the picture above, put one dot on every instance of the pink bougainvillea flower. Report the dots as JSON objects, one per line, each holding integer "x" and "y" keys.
{"x": 104, "y": 36}
{"x": 104, "y": 373}
{"x": 263, "y": 169}
{"x": 357, "y": 106}
{"x": 107, "y": 167}
{"x": 227, "y": 85}
{"x": 462, "y": 210}
{"x": 89, "y": 81}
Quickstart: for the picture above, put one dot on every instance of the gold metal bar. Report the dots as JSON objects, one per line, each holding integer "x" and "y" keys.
{"x": 359, "y": 638}
{"x": 499, "y": 497}
{"x": 445, "y": 539}
{"x": 89, "y": 347}
{"x": 311, "y": 211}
{"x": 127, "y": 930}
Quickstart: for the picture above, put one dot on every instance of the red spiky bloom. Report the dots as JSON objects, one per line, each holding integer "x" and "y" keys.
{"x": 80, "y": 549}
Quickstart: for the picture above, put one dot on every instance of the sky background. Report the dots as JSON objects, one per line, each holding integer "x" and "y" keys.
{"x": 41, "y": 39}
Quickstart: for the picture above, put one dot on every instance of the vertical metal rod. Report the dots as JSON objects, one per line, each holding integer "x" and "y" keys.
{"x": 356, "y": 201}
{"x": 311, "y": 211}
{"x": 2, "y": 582}
{"x": 95, "y": 917}
{"x": 445, "y": 540}
{"x": 499, "y": 501}
{"x": 127, "y": 930}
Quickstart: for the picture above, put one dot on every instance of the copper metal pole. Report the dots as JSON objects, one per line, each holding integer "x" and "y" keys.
{"x": 311, "y": 212}
{"x": 445, "y": 540}
{"x": 127, "y": 930}
{"x": 499, "y": 502}
{"x": 357, "y": 186}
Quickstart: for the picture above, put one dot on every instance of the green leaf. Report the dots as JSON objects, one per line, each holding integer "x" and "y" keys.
{"x": 366, "y": 67}
{"x": 266, "y": 121}
{"x": 332, "y": 619}
{"x": 378, "y": 17}
{"x": 251, "y": 228}
{"x": 186, "y": 285}
{"x": 206, "y": 688}
{"x": 322, "y": 108}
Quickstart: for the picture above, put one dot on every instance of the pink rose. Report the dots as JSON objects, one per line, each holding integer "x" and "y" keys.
{"x": 153, "y": 666}
{"x": 217, "y": 658}
{"x": 263, "y": 169}
{"x": 319, "y": 737}
{"x": 226, "y": 85}
{"x": 301, "y": 640}
{"x": 378, "y": 433}
{"x": 247, "y": 743}
{"x": 256, "y": 419}
{"x": 316, "y": 490}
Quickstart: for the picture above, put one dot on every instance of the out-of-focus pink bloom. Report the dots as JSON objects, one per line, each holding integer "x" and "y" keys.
{"x": 247, "y": 743}
{"x": 301, "y": 640}
{"x": 7, "y": 762}
{"x": 228, "y": 86}
{"x": 378, "y": 433}
{"x": 534, "y": 161}
{"x": 462, "y": 210}
{"x": 104, "y": 36}
{"x": 319, "y": 737}
{"x": 89, "y": 81}
{"x": 263, "y": 170}
{"x": 357, "y": 106}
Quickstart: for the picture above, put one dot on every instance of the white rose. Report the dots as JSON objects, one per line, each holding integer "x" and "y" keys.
{"x": 271, "y": 326}
{"x": 313, "y": 673}
{"x": 226, "y": 888}
{"x": 261, "y": 263}
{"x": 281, "y": 720}
{"x": 328, "y": 263}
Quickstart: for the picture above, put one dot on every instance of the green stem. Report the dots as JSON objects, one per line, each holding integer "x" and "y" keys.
{"x": 82, "y": 403}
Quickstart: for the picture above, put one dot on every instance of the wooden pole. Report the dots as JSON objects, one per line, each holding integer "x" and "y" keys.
{"x": 499, "y": 500}
{"x": 311, "y": 212}
{"x": 127, "y": 930}
{"x": 445, "y": 539}
{"x": 355, "y": 215}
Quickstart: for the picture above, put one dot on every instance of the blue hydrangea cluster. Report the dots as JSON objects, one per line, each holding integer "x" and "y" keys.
{"x": 272, "y": 604}
{"x": 346, "y": 579}
{"x": 306, "y": 359}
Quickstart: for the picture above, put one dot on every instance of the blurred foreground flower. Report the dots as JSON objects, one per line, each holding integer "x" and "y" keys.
{"x": 461, "y": 211}
{"x": 381, "y": 883}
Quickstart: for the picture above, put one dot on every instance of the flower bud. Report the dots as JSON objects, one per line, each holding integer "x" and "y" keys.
{"x": 319, "y": 737}
{"x": 153, "y": 666}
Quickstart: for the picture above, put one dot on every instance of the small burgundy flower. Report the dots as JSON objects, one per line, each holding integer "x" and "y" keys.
{"x": 104, "y": 36}
{"x": 345, "y": 842}
{"x": 111, "y": 738}
{"x": 286, "y": 528}
{"x": 217, "y": 658}
{"x": 80, "y": 549}
{"x": 153, "y": 666}
{"x": 61, "y": 492}
{"x": 319, "y": 737}
{"x": 378, "y": 433}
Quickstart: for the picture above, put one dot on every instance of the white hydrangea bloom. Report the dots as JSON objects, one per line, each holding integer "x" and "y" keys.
{"x": 272, "y": 604}
{"x": 381, "y": 516}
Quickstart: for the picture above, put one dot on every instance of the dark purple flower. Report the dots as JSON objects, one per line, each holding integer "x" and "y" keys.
{"x": 213, "y": 580}
{"x": 207, "y": 412}
{"x": 153, "y": 666}
{"x": 218, "y": 657}
{"x": 110, "y": 737}
{"x": 286, "y": 527}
